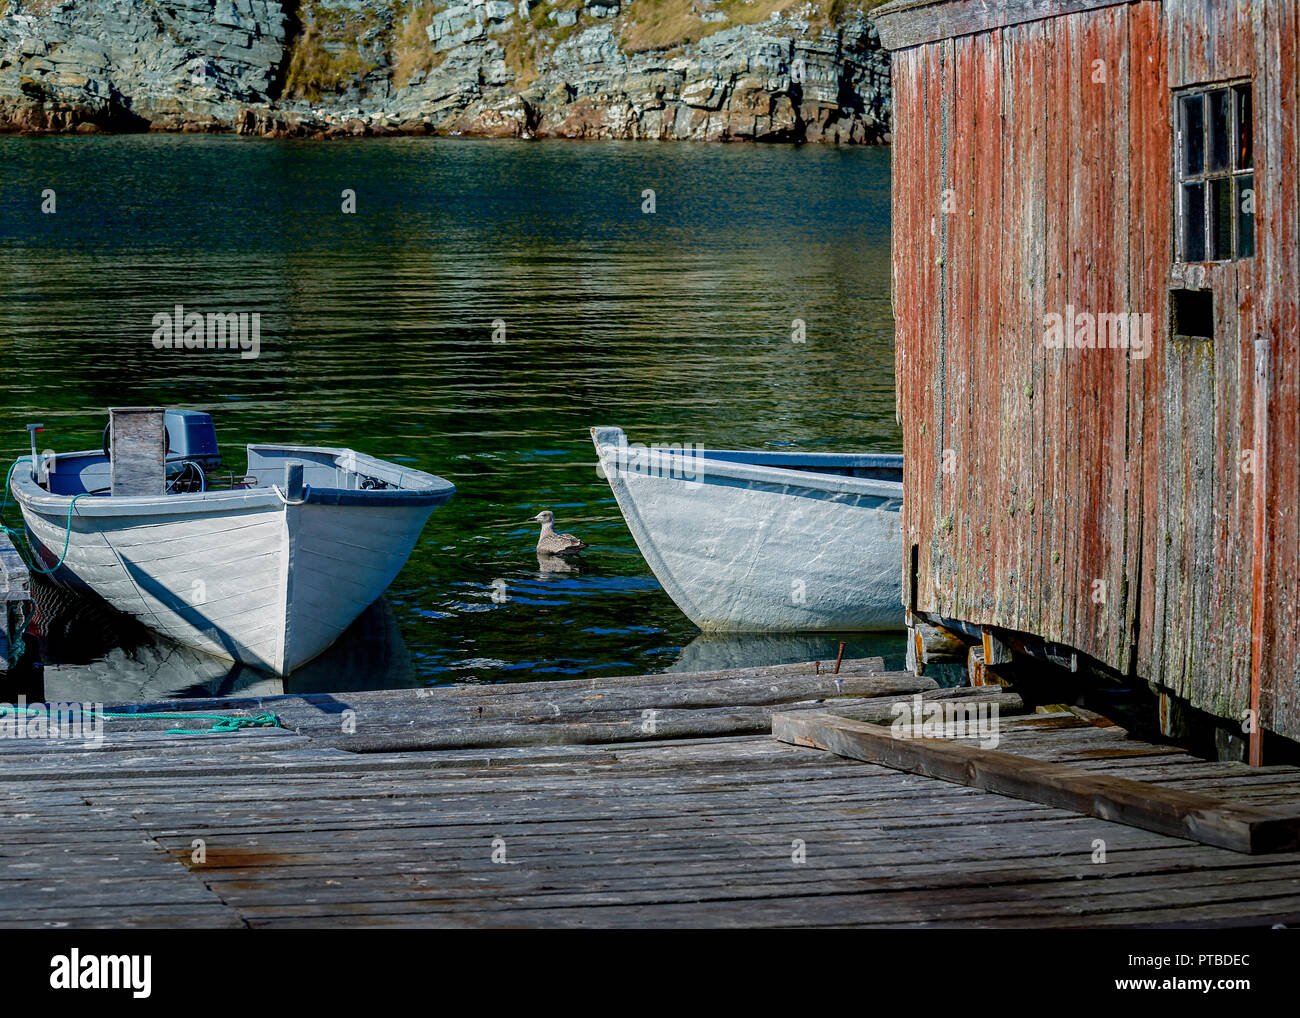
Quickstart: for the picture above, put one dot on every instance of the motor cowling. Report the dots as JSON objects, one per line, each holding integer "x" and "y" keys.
{"x": 192, "y": 436}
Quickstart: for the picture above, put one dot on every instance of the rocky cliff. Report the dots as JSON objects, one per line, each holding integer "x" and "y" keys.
{"x": 669, "y": 69}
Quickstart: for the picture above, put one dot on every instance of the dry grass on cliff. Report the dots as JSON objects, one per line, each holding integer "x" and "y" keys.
{"x": 412, "y": 50}
{"x": 39, "y": 8}
{"x": 315, "y": 71}
{"x": 666, "y": 24}
{"x": 522, "y": 51}
{"x": 662, "y": 24}
{"x": 836, "y": 10}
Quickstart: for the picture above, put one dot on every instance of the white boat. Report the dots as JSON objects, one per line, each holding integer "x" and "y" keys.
{"x": 266, "y": 568}
{"x": 765, "y": 541}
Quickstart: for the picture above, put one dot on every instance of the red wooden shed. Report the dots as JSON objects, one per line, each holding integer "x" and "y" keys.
{"x": 1095, "y": 288}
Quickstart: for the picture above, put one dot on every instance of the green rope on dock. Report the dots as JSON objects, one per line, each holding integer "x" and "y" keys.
{"x": 224, "y": 722}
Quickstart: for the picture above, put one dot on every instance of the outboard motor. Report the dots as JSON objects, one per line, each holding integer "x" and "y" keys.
{"x": 191, "y": 436}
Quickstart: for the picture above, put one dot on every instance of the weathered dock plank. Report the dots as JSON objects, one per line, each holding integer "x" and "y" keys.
{"x": 283, "y": 828}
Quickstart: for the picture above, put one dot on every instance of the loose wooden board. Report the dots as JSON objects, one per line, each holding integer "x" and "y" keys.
{"x": 1181, "y": 814}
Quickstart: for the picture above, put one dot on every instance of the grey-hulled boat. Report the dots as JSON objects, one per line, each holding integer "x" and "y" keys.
{"x": 266, "y": 567}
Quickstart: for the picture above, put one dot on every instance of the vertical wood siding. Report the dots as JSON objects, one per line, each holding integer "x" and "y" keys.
{"x": 1091, "y": 497}
{"x": 1277, "y": 323}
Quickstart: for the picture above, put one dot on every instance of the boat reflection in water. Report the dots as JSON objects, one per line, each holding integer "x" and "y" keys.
{"x": 94, "y": 653}
{"x": 719, "y": 651}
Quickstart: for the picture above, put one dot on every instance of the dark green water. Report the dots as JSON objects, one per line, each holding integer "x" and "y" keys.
{"x": 377, "y": 334}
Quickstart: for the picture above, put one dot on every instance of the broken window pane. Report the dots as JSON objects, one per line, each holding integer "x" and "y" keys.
{"x": 1215, "y": 185}
{"x": 1245, "y": 129}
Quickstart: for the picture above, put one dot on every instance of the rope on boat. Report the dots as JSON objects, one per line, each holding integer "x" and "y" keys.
{"x": 224, "y": 722}
{"x": 4, "y": 501}
{"x": 19, "y": 645}
{"x": 31, "y": 552}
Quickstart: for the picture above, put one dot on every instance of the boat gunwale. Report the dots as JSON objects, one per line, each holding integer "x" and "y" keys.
{"x": 677, "y": 466}
{"x": 808, "y": 460}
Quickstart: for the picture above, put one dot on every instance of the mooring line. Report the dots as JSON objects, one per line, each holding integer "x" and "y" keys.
{"x": 224, "y": 722}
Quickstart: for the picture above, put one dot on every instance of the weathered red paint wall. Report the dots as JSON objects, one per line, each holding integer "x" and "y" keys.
{"x": 1093, "y": 497}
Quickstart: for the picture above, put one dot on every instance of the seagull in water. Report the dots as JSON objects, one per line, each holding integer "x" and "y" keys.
{"x": 551, "y": 543}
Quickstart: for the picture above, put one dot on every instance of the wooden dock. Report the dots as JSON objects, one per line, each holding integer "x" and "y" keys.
{"x": 650, "y": 801}
{"x": 15, "y": 605}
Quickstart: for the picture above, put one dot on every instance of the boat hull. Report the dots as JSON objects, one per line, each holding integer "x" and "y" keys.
{"x": 248, "y": 576}
{"x": 222, "y": 583}
{"x": 747, "y": 547}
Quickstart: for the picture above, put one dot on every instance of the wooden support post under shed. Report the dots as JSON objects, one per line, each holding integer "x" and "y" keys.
{"x": 996, "y": 651}
{"x": 978, "y": 673}
{"x": 1191, "y": 815}
{"x": 933, "y": 645}
{"x": 1174, "y": 720}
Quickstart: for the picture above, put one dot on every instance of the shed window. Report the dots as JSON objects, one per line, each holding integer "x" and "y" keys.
{"x": 1215, "y": 197}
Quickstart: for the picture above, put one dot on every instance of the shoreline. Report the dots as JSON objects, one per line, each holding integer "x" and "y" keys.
{"x": 37, "y": 118}
{"x": 345, "y": 133}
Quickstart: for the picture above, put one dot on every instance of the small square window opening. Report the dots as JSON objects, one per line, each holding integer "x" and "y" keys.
{"x": 1191, "y": 314}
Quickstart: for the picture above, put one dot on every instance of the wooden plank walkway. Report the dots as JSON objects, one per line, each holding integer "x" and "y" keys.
{"x": 15, "y": 602}
{"x": 596, "y": 821}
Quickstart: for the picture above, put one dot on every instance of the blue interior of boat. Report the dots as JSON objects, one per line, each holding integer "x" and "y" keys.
{"x": 325, "y": 468}
{"x": 79, "y": 472}
{"x": 879, "y": 466}
{"x": 192, "y": 447}
{"x": 191, "y": 438}
{"x": 90, "y": 472}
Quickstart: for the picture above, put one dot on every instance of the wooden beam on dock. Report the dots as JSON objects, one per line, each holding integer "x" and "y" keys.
{"x": 15, "y": 581}
{"x": 1190, "y": 815}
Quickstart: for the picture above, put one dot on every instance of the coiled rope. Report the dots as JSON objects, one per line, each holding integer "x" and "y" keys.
{"x": 224, "y": 722}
